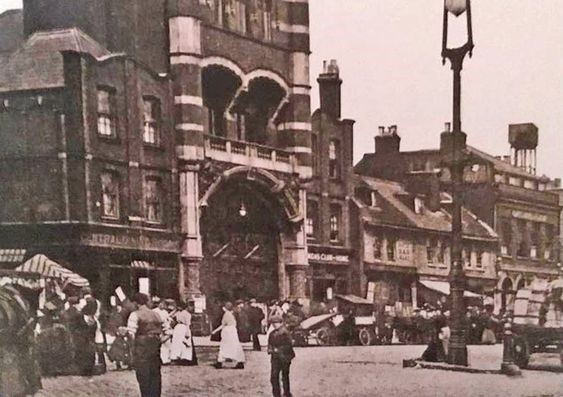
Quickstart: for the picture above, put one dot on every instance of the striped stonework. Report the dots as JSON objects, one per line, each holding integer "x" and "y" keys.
{"x": 185, "y": 63}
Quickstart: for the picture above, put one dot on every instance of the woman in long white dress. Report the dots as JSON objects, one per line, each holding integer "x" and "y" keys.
{"x": 182, "y": 349}
{"x": 230, "y": 349}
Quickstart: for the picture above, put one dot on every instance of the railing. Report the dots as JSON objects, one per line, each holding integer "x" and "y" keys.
{"x": 248, "y": 153}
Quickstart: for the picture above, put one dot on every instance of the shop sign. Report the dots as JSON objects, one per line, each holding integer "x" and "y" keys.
{"x": 529, "y": 216}
{"x": 128, "y": 241}
{"x": 404, "y": 251}
{"x": 326, "y": 257}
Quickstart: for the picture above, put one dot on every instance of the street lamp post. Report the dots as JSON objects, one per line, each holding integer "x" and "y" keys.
{"x": 452, "y": 144}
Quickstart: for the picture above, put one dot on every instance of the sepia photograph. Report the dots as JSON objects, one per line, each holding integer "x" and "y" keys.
{"x": 287, "y": 198}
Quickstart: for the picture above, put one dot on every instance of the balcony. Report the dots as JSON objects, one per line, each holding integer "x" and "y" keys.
{"x": 250, "y": 154}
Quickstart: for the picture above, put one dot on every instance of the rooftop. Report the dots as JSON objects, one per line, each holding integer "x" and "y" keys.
{"x": 38, "y": 63}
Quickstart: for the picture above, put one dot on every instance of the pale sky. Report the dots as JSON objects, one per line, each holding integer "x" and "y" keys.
{"x": 389, "y": 57}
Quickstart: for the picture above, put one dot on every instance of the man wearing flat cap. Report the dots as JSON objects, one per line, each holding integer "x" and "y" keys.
{"x": 280, "y": 348}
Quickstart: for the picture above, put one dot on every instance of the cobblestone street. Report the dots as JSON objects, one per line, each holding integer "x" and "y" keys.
{"x": 334, "y": 371}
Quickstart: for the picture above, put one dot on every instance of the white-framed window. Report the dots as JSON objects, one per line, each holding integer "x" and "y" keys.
{"x": 514, "y": 181}
{"x": 479, "y": 258}
{"x": 529, "y": 184}
{"x": 151, "y": 120}
{"x": 312, "y": 218}
{"x": 335, "y": 215}
{"x": 431, "y": 248}
{"x": 106, "y": 112}
{"x": 334, "y": 159}
{"x": 110, "y": 195}
{"x": 418, "y": 205}
{"x": 391, "y": 249}
{"x": 153, "y": 200}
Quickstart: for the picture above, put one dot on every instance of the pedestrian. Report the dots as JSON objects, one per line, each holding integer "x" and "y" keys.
{"x": 281, "y": 353}
{"x": 181, "y": 348}
{"x": 230, "y": 349}
{"x": 444, "y": 335}
{"x": 255, "y": 317}
{"x": 243, "y": 324}
{"x": 75, "y": 322}
{"x": 145, "y": 327}
{"x": 167, "y": 330}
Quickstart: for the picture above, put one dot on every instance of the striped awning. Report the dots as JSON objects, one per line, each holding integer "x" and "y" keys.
{"x": 12, "y": 255}
{"x": 41, "y": 266}
{"x": 141, "y": 265}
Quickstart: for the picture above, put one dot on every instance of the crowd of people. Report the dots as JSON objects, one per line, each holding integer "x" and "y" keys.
{"x": 75, "y": 335}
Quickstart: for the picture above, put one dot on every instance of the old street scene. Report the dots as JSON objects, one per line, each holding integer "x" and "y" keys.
{"x": 280, "y": 198}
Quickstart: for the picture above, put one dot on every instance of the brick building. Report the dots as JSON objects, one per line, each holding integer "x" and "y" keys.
{"x": 328, "y": 222}
{"x": 503, "y": 191}
{"x": 402, "y": 241}
{"x": 175, "y": 137}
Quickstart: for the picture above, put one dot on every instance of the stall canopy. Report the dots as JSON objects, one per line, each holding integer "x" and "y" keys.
{"x": 355, "y": 299}
{"x": 443, "y": 287}
{"x": 40, "y": 266}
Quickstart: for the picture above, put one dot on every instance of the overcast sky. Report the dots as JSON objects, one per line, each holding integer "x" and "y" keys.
{"x": 389, "y": 57}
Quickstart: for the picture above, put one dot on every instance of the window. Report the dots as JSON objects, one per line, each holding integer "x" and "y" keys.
{"x": 523, "y": 244}
{"x": 268, "y": 21}
{"x": 110, "y": 195}
{"x": 549, "y": 243}
{"x": 506, "y": 237}
{"x": 334, "y": 159}
{"x": 535, "y": 238}
{"x": 335, "y": 214}
{"x": 480, "y": 255}
{"x": 514, "y": 181}
{"x": 440, "y": 253}
{"x": 418, "y": 206}
{"x": 151, "y": 121}
{"x": 529, "y": 184}
{"x": 153, "y": 200}
{"x": 106, "y": 112}
{"x": 377, "y": 248}
{"x": 312, "y": 218}
{"x": 391, "y": 249}
{"x": 466, "y": 257}
{"x": 430, "y": 251}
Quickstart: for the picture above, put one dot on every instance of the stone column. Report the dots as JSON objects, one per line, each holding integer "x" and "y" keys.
{"x": 191, "y": 255}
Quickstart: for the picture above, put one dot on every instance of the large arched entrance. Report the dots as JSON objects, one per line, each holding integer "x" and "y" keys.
{"x": 243, "y": 226}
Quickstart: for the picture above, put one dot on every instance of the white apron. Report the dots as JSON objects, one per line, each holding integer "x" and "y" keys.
{"x": 230, "y": 347}
{"x": 181, "y": 348}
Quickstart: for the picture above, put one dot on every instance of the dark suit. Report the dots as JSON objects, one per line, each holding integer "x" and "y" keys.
{"x": 255, "y": 317}
{"x": 280, "y": 347}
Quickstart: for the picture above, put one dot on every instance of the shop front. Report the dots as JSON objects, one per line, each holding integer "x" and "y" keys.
{"x": 329, "y": 273}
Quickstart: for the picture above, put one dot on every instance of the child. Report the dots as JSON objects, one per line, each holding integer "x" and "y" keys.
{"x": 281, "y": 350}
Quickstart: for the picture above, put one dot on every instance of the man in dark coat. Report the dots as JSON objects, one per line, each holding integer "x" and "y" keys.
{"x": 255, "y": 317}
{"x": 145, "y": 326}
{"x": 73, "y": 320}
{"x": 281, "y": 350}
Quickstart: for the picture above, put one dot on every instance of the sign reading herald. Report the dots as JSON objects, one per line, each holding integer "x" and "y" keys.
{"x": 326, "y": 257}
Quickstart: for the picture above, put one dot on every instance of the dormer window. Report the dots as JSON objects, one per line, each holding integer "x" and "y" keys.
{"x": 418, "y": 205}
{"x": 373, "y": 196}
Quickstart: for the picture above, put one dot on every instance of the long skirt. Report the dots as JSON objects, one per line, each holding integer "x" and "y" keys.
{"x": 488, "y": 337}
{"x": 181, "y": 348}
{"x": 230, "y": 347}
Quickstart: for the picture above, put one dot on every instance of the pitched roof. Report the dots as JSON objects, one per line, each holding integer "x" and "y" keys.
{"x": 11, "y": 30}
{"x": 399, "y": 214}
{"x": 503, "y": 166}
{"x": 38, "y": 63}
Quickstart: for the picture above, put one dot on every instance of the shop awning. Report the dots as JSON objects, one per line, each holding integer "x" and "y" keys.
{"x": 41, "y": 266}
{"x": 443, "y": 287}
{"x": 354, "y": 299}
{"x": 12, "y": 255}
{"x": 141, "y": 265}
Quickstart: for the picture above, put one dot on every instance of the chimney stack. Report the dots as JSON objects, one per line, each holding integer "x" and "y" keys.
{"x": 388, "y": 140}
{"x": 329, "y": 89}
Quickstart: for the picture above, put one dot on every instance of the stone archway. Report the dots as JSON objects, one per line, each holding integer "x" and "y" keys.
{"x": 250, "y": 226}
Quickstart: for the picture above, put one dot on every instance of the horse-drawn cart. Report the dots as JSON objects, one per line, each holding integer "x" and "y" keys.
{"x": 538, "y": 323}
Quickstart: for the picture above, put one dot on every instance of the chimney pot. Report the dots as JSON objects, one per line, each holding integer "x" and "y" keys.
{"x": 447, "y": 126}
{"x": 381, "y": 130}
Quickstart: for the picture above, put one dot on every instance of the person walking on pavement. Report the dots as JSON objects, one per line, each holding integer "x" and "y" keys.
{"x": 280, "y": 348}
{"x": 230, "y": 348}
{"x": 255, "y": 317}
{"x": 167, "y": 331}
{"x": 145, "y": 326}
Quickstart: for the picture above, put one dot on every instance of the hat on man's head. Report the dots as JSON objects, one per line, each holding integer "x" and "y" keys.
{"x": 252, "y": 300}
{"x": 276, "y": 319}
{"x": 238, "y": 302}
{"x": 73, "y": 300}
{"x": 156, "y": 299}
